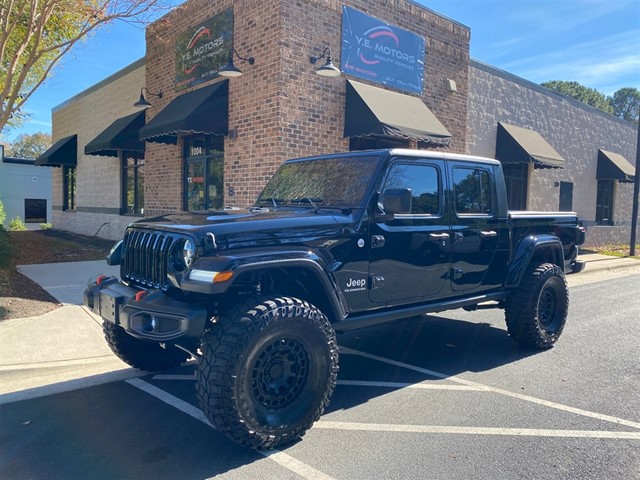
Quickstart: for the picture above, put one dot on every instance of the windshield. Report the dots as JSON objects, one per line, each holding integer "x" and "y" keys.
{"x": 327, "y": 182}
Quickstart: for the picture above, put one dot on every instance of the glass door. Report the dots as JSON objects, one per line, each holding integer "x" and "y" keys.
{"x": 204, "y": 173}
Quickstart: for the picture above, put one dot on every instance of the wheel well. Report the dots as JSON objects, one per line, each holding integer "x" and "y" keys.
{"x": 298, "y": 282}
{"x": 548, "y": 254}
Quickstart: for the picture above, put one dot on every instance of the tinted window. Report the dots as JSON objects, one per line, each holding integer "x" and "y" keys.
{"x": 423, "y": 181}
{"x": 472, "y": 191}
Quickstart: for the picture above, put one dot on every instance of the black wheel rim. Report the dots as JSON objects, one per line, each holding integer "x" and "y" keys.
{"x": 280, "y": 373}
{"x": 548, "y": 310}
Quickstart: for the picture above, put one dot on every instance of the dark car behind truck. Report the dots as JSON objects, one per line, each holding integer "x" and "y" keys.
{"x": 333, "y": 243}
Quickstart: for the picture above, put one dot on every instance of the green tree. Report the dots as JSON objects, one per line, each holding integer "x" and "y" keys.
{"x": 626, "y": 103}
{"x": 29, "y": 145}
{"x": 35, "y": 35}
{"x": 584, "y": 94}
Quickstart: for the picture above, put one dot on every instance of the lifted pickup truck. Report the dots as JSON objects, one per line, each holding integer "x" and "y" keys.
{"x": 334, "y": 242}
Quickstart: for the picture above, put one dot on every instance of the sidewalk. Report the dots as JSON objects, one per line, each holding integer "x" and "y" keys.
{"x": 64, "y": 349}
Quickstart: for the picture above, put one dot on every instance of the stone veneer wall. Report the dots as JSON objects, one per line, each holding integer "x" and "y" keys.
{"x": 98, "y": 192}
{"x": 280, "y": 108}
{"x": 573, "y": 129}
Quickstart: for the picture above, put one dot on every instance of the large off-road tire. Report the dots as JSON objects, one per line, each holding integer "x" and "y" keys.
{"x": 267, "y": 371}
{"x": 536, "y": 311}
{"x": 148, "y": 356}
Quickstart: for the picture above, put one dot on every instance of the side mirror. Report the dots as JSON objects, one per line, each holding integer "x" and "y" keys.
{"x": 397, "y": 201}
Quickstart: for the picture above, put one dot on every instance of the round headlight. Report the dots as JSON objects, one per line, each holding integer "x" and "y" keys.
{"x": 188, "y": 253}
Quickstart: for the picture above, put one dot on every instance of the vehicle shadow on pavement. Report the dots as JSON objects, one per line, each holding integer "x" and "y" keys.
{"x": 111, "y": 431}
{"x": 444, "y": 346}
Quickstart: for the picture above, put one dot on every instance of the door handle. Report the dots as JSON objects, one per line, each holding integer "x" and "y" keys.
{"x": 488, "y": 234}
{"x": 377, "y": 241}
{"x": 438, "y": 237}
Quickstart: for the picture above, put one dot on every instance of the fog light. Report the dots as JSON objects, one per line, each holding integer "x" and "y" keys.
{"x": 150, "y": 323}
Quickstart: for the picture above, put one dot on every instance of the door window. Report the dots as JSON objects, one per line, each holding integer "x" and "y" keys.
{"x": 423, "y": 181}
{"x": 472, "y": 191}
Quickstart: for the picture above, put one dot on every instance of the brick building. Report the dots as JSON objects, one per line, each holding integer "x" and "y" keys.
{"x": 208, "y": 141}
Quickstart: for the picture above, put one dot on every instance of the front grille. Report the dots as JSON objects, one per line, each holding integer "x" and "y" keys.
{"x": 146, "y": 258}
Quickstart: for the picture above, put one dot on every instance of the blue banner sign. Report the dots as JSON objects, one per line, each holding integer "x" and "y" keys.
{"x": 382, "y": 53}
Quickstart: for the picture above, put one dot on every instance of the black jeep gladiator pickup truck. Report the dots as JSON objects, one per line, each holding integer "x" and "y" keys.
{"x": 334, "y": 242}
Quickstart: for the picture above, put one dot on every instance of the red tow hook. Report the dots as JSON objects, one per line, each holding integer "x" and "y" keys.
{"x": 100, "y": 279}
{"x": 140, "y": 294}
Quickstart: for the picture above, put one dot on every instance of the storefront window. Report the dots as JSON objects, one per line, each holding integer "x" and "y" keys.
{"x": 204, "y": 172}
{"x": 69, "y": 188}
{"x": 516, "y": 176}
{"x": 132, "y": 185}
{"x": 604, "y": 202}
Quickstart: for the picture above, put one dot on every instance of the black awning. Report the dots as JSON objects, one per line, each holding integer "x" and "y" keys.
{"x": 63, "y": 152}
{"x": 521, "y": 145}
{"x": 613, "y": 166}
{"x": 120, "y": 135}
{"x": 374, "y": 111}
{"x": 205, "y": 110}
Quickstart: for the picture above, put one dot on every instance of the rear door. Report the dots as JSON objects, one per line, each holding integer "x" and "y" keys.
{"x": 409, "y": 256}
{"x": 476, "y": 228}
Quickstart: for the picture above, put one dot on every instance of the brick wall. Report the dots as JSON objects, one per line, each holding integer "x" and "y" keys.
{"x": 576, "y": 131}
{"x": 98, "y": 177}
{"x": 280, "y": 108}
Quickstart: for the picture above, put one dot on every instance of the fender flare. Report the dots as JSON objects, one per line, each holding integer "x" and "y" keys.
{"x": 525, "y": 252}
{"x": 243, "y": 264}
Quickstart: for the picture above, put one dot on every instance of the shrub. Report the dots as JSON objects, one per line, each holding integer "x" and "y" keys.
{"x": 3, "y": 216}
{"x": 46, "y": 226}
{"x": 17, "y": 225}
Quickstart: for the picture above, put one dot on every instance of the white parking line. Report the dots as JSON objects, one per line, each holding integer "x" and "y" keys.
{"x": 519, "y": 432}
{"x": 281, "y": 458}
{"x": 519, "y": 396}
{"x": 419, "y": 386}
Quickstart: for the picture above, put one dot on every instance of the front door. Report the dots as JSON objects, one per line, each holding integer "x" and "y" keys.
{"x": 409, "y": 259}
{"x": 204, "y": 168}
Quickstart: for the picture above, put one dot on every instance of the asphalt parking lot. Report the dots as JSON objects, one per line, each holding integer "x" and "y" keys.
{"x": 447, "y": 396}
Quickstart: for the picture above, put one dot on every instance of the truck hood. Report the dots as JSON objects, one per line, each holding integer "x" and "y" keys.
{"x": 253, "y": 228}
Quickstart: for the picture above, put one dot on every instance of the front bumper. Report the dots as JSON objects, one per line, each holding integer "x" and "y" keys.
{"x": 145, "y": 314}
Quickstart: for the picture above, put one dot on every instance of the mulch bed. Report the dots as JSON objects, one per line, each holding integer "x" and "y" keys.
{"x": 19, "y": 296}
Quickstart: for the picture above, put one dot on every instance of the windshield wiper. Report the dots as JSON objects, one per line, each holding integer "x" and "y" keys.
{"x": 274, "y": 201}
{"x": 309, "y": 200}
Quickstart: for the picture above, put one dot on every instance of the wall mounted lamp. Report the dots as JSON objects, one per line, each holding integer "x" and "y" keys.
{"x": 328, "y": 69}
{"x": 142, "y": 102}
{"x": 230, "y": 70}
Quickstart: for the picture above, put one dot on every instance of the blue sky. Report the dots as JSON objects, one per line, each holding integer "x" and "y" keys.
{"x": 593, "y": 42}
